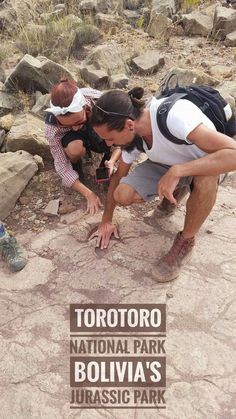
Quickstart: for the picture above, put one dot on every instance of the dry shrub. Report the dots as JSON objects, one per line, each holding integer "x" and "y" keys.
{"x": 52, "y": 40}
{"x": 25, "y": 100}
{"x": 30, "y": 10}
{"x": 85, "y": 35}
{"x": 6, "y": 49}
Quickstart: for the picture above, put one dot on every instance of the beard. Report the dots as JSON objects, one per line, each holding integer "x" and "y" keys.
{"x": 136, "y": 142}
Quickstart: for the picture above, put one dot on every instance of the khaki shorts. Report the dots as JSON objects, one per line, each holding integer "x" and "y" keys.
{"x": 145, "y": 177}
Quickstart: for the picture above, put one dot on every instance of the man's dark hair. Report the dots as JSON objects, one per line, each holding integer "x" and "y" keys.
{"x": 115, "y": 106}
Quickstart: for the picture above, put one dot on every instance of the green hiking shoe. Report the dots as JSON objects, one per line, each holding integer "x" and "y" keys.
{"x": 12, "y": 253}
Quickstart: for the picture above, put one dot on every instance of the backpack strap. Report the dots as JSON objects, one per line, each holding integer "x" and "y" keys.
{"x": 161, "y": 117}
{"x": 166, "y": 90}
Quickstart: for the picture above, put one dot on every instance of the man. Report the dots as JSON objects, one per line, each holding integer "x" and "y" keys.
{"x": 122, "y": 119}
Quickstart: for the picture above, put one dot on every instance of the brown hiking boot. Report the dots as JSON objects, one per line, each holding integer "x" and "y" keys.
{"x": 170, "y": 265}
{"x": 166, "y": 208}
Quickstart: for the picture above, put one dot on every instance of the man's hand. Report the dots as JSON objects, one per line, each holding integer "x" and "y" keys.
{"x": 167, "y": 185}
{"x": 104, "y": 233}
{"x": 93, "y": 203}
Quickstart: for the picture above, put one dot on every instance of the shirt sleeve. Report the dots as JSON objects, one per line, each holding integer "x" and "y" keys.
{"x": 129, "y": 158}
{"x": 62, "y": 163}
{"x": 184, "y": 117}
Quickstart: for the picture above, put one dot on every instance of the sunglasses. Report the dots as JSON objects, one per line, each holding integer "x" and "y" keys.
{"x": 70, "y": 122}
{"x": 113, "y": 113}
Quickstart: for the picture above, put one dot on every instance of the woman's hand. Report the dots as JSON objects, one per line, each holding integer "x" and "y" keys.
{"x": 104, "y": 233}
{"x": 93, "y": 203}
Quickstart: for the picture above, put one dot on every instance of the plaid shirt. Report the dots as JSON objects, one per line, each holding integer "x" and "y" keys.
{"x": 54, "y": 135}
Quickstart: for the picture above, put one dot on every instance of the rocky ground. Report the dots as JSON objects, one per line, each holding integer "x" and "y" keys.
{"x": 63, "y": 268}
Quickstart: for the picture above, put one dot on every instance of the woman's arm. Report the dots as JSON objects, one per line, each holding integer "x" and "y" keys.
{"x": 62, "y": 163}
{"x": 93, "y": 201}
{"x": 63, "y": 167}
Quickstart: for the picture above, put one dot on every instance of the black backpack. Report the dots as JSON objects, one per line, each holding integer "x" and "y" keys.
{"x": 204, "y": 97}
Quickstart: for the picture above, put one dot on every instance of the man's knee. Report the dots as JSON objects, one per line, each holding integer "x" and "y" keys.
{"x": 205, "y": 184}
{"x": 124, "y": 194}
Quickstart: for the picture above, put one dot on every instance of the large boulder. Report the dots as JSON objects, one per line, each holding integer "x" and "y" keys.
{"x": 102, "y": 63}
{"x": 8, "y": 102}
{"x": 2, "y": 75}
{"x": 166, "y": 7}
{"x": 2, "y": 137}
{"x": 42, "y": 102}
{"x": 220, "y": 71}
{"x": 196, "y": 23}
{"x": 118, "y": 81}
{"x": 159, "y": 26}
{"x": 132, "y": 17}
{"x": 148, "y": 63}
{"x": 7, "y": 121}
{"x": 228, "y": 91}
{"x": 102, "y": 6}
{"x": 224, "y": 22}
{"x": 108, "y": 58}
{"x": 107, "y": 22}
{"x": 230, "y": 39}
{"x": 132, "y": 4}
{"x": 27, "y": 133}
{"x": 33, "y": 74}
{"x": 96, "y": 78}
{"x": 16, "y": 170}
{"x": 188, "y": 76}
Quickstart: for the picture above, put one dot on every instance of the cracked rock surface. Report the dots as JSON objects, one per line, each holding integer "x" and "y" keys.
{"x": 64, "y": 269}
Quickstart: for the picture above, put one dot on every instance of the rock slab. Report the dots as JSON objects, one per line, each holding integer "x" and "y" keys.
{"x": 27, "y": 133}
{"x": 16, "y": 170}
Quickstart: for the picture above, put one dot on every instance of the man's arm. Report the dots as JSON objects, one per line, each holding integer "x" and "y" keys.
{"x": 221, "y": 159}
{"x": 106, "y": 228}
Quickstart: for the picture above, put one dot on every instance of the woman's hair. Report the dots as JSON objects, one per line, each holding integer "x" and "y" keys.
{"x": 62, "y": 93}
{"x": 115, "y": 106}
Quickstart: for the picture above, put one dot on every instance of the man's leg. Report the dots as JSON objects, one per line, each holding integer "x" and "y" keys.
{"x": 126, "y": 195}
{"x": 141, "y": 184}
{"x": 166, "y": 208}
{"x": 199, "y": 206}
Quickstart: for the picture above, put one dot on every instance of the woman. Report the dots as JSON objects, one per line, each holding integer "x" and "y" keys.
{"x": 70, "y": 135}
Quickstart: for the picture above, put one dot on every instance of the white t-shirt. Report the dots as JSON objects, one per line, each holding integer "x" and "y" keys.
{"x": 182, "y": 119}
